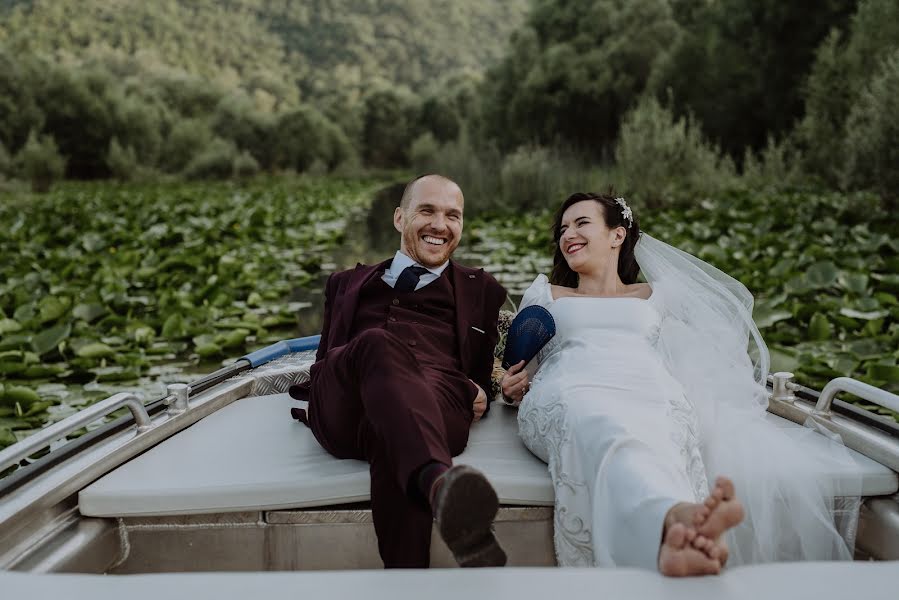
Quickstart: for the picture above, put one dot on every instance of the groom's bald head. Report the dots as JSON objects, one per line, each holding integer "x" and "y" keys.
{"x": 435, "y": 181}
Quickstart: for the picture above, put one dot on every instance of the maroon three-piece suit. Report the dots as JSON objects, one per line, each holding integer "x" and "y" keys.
{"x": 392, "y": 384}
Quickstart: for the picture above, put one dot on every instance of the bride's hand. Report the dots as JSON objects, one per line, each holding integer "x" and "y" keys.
{"x": 515, "y": 383}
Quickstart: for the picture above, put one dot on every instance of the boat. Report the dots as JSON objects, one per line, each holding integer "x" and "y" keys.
{"x": 214, "y": 487}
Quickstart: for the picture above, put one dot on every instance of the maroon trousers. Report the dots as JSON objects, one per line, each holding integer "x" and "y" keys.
{"x": 371, "y": 400}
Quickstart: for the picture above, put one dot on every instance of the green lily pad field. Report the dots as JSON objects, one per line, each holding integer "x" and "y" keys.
{"x": 101, "y": 285}
{"x": 104, "y": 286}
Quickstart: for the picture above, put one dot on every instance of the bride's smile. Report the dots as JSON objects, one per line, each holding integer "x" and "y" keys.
{"x": 587, "y": 243}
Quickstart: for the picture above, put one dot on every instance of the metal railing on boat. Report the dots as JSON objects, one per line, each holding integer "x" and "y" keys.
{"x": 140, "y": 415}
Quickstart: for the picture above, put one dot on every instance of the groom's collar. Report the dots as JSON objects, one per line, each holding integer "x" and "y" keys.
{"x": 401, "y": 261}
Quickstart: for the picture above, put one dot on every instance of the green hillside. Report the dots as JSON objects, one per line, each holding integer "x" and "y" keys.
{"x": 278, "y": 50}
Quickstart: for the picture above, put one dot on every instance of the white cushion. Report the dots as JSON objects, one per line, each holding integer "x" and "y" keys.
{"x": 796, "y": 581}
{"x": 251, "y": 455}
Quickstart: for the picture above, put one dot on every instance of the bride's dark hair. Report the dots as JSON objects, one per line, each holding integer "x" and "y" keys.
{"x": 614, "y": 217}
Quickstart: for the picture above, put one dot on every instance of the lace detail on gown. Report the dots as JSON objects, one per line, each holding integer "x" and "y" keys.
{"x": 599, "y": 382}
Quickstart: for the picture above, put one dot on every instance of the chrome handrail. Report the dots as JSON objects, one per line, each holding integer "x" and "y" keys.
{"x": 853, "y": 386}
{"x": 15, "y": 453}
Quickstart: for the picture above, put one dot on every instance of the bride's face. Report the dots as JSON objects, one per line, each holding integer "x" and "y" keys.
{"x": 586, "y": 242}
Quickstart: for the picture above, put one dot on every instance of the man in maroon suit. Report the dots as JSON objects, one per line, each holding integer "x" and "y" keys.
{"x": 404, "y": 361}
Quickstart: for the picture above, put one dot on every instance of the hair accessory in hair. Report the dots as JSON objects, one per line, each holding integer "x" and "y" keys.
{"x": 626, "y": 211}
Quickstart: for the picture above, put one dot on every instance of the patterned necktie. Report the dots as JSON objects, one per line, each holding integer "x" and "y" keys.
{"x": 408, "y": 279}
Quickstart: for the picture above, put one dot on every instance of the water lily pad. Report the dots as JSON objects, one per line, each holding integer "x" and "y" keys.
{"x": 9, "y": 326}
{"x": 7, "y": 437}
{"x": 783, "y": 360}
{"x": 890, "y": 280}
{"x": 12, "y": 395}
{"x": 856, "y": 283}
{"x": 766, "y": 316}
{"x": 52, "y": 308}
{"x": 42, "y": 371}
{"x": 863, "y": 315}
{"x": 89, "y": 312}
{"x": 822, "y": 274}
{"x": 116, "y": 373}
{"x": 8, "y": 368}
{"x": 174, "y": 327}
{"x": 15, "y": 341}
{"x": 208, "y": 349}
{"x": 819, "y": 328}
{"x": 95, "y": 350}
{"x": 49, "y": 339}
{"x": 886, "y": 373}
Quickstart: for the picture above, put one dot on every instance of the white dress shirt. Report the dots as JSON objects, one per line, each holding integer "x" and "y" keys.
{"x": 401, "y": 261}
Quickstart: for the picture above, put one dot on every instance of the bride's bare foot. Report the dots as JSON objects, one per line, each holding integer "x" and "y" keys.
{"x": 720, "y": 511}
{"x": 679, "y": 557}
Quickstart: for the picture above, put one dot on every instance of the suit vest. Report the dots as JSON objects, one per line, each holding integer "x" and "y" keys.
{"x": 425, "y": 321}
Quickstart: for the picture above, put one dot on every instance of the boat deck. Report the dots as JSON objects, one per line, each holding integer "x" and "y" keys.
{"x": 796, "y": 581}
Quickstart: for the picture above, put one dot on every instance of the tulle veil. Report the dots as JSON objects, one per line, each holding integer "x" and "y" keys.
{"x": 712, "y": 346}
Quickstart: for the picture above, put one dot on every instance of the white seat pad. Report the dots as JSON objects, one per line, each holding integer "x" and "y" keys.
{"x": 796, "y": 581}
{"x": 251, "y": 455}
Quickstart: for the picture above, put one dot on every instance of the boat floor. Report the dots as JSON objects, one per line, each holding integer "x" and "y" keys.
{"x": 797, "y": 581}
{"x": 251, "y": 456}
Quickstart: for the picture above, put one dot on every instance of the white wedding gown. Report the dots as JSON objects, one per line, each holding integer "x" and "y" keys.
{"x": 619, "y": 435}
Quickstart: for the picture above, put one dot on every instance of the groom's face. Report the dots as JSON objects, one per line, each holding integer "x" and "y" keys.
{"x": 431, "y": 224}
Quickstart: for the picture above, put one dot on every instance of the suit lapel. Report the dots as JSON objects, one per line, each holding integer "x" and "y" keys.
{"x": 350, "y": 299}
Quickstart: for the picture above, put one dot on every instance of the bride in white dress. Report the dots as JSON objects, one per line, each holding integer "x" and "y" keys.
{"x": 647, "y": 393}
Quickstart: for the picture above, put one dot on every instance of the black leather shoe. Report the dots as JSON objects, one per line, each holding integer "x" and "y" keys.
{"x": 466, "y": 505}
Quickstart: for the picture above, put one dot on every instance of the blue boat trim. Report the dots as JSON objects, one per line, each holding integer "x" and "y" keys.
{"x": 279, "y": 349}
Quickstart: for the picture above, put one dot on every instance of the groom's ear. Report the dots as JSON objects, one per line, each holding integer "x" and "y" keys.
{"x": 398, "y": 219}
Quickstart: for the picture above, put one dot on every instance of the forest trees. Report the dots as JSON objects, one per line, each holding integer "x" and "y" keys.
{"x": 161, "y": 90}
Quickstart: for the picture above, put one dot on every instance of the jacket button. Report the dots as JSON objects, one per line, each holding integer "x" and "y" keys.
{"x": 413, "y": 343}
{"x": 392, "y": 319}
{"x": 396, "y": 301}
{"x": 471, "y": 276}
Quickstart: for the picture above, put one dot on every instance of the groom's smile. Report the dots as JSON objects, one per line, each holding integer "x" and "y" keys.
{"x": 431, "y": 222}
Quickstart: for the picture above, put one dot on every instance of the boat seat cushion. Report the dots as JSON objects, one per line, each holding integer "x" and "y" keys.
{"x": 250, "y": 455}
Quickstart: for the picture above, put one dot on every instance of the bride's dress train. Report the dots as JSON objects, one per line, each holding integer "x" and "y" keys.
{"x": 624, "y": 443}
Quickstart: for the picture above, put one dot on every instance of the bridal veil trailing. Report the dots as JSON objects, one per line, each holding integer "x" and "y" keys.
{"x": 711, "y": 345}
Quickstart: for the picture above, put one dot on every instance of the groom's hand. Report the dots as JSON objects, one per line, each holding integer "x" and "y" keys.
{"x": 515, "y": 383}
{"x": 480, "y": 403}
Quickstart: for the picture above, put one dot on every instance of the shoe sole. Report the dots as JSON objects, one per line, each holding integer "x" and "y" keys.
{"x": 468, "y": 507}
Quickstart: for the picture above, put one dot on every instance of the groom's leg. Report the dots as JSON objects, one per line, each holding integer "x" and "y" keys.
{"x": 375, "y": 379}
{"x": 402, "y": 521}
{"x": 371, "y": 400}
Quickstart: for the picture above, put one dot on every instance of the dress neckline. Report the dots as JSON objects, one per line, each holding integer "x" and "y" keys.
{"x": 601, "y": 298}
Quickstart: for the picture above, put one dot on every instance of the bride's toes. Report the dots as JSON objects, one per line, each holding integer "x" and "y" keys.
{"x": 702, "y": 513}
{"x": 726, "y": 488}
{"x": 722, "y": 510}
{"x": 678, "y": 557}
{"x": 708, "y": 547}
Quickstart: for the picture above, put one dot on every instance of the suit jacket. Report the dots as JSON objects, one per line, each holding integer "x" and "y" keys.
{"x": 478, "y": 298}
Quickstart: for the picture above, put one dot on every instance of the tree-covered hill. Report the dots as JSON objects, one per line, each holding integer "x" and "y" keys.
{"x": 278, "y": 50}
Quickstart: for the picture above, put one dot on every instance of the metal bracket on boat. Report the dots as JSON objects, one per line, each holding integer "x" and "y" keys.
{"x": 853, "y": 386}
{"x": 177, "y": 398}
{"x": 782, "y": 387}
{"x": 15, "y": 453}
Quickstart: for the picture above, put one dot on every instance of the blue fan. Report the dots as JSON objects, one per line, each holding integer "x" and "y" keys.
{"x": 531, "y": 328}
